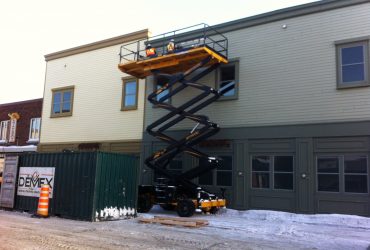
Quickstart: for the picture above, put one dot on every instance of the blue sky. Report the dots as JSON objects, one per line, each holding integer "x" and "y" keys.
{"x": 31, "y": 29}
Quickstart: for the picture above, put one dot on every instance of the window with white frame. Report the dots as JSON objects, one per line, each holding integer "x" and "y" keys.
{"x": 4, "y": 130}
{"x": 353, "y": 64}
{"x": 35, "y": 125}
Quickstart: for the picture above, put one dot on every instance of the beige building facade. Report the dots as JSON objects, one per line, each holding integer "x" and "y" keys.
{"x": 88, "y": 103}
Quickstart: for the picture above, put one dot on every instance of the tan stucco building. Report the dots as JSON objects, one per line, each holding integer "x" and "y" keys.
{"x": 88, "y": 103}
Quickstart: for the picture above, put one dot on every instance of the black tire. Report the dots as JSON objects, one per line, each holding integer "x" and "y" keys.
{"x": 185, "y": 208}
{"x": 214, "y": 210}
{"x": 168, "y": 207}
{"x": 144, "y": 203}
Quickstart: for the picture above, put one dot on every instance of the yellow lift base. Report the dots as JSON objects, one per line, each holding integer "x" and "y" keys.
{"x": 171, "y": 63}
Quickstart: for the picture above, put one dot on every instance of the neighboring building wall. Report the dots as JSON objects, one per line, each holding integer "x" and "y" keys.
{"x": 26, "y": 110}
{"x": 288, "y": 105}
{"x": 288, "y": 76}
{"x": 96, "y": 113}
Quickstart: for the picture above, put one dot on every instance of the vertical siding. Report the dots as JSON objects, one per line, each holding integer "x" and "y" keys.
{"x": 87, "y": 186}
{"x": 288, "y": 76}
{"x": 73, "y": 183}
{"x": 116, "y": 186}
{"x": 97, "y": 111}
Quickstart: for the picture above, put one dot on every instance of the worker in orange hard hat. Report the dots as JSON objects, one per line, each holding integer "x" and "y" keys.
{"x": 150, "y": 51}
{"x": 171, "y": 46}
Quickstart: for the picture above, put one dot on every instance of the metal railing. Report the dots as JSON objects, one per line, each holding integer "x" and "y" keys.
{"x": 200, "y": 35}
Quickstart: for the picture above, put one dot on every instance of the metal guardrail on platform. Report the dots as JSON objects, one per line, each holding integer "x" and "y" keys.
{"x": 200, "y": 35}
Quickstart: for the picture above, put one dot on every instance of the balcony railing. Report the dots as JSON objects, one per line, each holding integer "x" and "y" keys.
{"x": 200, "y": 35}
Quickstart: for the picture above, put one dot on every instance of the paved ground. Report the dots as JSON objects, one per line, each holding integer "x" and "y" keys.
{"x": 249, "y": 230}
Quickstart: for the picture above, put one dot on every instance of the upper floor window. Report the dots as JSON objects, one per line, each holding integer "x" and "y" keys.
{"x": 274, "y": 172}
{"x": 62, "y": 102}
{"x": 227, "y": 80}
{"x": 4, "y": 130}
{"x": 353, "y": 64}
{"x": 35, "y": 125}
{"x": 129, "y": 94}
{"x": 160, "y": 81}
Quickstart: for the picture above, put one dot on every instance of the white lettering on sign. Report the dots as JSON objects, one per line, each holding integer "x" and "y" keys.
{"x": 31, "y": 178}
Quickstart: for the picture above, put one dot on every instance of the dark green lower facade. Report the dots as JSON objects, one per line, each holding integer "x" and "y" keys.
{"x": 92, "y": 186}
{"x": 314, "y": 168}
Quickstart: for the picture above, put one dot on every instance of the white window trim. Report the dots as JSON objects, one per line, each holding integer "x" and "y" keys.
{"x": 4, "y": 140}
{"x": 33, "y": 140}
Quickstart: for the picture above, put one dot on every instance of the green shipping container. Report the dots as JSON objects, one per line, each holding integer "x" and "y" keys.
{"x": 91, "y": 186}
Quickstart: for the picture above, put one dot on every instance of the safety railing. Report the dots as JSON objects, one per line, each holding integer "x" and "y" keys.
{"x": 200, "y": 35}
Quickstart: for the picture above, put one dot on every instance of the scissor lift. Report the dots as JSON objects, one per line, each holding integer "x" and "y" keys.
{"x": 195, "y": 52}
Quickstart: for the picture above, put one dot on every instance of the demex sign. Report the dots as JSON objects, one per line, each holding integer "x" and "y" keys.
{"x": 31, "y": 178}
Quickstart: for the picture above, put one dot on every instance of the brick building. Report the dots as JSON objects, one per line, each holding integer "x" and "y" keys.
{"x": 27, "y": 114}
{"x": 19, "y": 127}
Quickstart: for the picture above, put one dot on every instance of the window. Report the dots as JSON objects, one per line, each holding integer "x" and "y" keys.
{"x": 160, "y": 81}
{"x": 129, "y": 94}
{"x": 62, "y": 102}
{"x": 174, "y": 167}
{"x": 35, "y": 129}
{"x": 224, "y": 172}
{"x": 221, "y": 176}
{"x": 353, "y": 64}
{"x": 355, "y": 174}
{"x": 328, "y": 174}
{"x": 206, "y": 178}
{"x": 4, "y": 130}
{"x": 227, "y": 80}
{"x": 272, "y": 172}
{"x": 283, "y": 172}
{"x": 344, "y": 174}
{"x": 261, "y": 167}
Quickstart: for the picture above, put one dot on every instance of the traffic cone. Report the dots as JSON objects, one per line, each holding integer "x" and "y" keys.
{"x": 43, "y": 206}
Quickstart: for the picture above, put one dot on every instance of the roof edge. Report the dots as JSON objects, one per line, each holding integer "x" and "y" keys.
{"x": 20, "y": 102}
{"x": 276, "y": 15}
{"x": 137, "y": 35}
{"x": 290, "y": 12}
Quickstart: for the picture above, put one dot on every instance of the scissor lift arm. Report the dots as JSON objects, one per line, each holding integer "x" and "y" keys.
{"x": 177, "y": 190}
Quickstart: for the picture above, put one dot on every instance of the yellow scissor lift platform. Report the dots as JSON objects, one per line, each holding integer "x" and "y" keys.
{"x": 193, "y": 56}
{"x": 171, "y": 63}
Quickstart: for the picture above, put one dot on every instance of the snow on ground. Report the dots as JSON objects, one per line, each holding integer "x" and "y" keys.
{"x": 230, "y": 229}
{"x": 320, "y": 231}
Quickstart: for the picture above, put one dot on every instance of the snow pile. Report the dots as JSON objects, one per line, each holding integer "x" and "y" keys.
{"x": 281, "y": 230}
{"x": 114, "y": 213}
{"x": 319, "y": 219}
{"x": 14, "y": 149}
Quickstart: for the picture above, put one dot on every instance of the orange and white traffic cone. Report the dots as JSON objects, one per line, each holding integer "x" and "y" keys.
{"x": 43, "y": 206}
